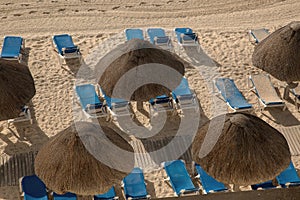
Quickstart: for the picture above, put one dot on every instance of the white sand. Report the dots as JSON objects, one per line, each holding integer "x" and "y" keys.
{"x": 222, "y": 27}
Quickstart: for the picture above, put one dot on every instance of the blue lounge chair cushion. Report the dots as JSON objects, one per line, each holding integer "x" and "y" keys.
{"x": 64, "y": 41}
{"x": 134, "y": 184}
{"x": 134, "y": 34}
{"x": 11, "y": 47}
{"x": 179, "y": 177}
{"x": 158, "y": 33}
{"x": 264, "y": 185}
{"x": 66, "y": 196}
{"x": 209, "y": 184}
{"x": 190, "y": 36}
{"x": 179, "y": 31}
{"x": 33, "y": 188}
{"x": 162, "y": 40}
{"x": 110, "y": 195}
{"x": 288, "y": 176}
{"x": 231, "y": 93}
{"x": 88, "y": 97}
{"x": 182, "y": 89}
{"x": 160, "y": 100}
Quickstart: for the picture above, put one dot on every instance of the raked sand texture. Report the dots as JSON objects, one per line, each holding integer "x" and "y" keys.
{"x": 225, "y": 51}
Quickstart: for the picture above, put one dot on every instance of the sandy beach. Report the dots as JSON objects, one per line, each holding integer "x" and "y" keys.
{"x": 222, "y": 27}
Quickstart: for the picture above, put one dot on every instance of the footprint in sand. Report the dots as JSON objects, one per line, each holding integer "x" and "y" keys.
{"x": 61, "y": 9}
{"x": 128, "y": 6}
{"x": 25, "y": 4}
{"x": 92, "y": 9}
{"x": 142, "y": 3}
{"x": 33, "y": 11}
{"x": 46, "y": 13}
{"x": 76, "y": 10}
{"x": 4, "y": 17}
{"x": 116, "y": 7}
{"x": 17, "y": 14}
{"x": 169, "y": 2}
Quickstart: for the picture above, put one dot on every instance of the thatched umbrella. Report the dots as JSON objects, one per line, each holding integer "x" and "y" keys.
{"x": 247, "y": 151}
{"x": 147, "y": 64}
{"x": 279, "y": 53}
{"x": 16, "y": 86}
{"x": 84, "y": 159}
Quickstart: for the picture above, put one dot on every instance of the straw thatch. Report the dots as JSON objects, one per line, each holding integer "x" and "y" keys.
{"x": 247, "y": 151}
{"x": 132, "y": 55}
{"x": 16, "y": 86}
{"x": 82, "y": 161}
{"x": 279, "y": 53}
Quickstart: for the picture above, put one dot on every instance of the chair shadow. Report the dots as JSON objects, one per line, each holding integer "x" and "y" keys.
{"x": 285, "y": 118}
{"x": 26, "y": 133}
{"x": 25, "y": 55}
{"x": 198, "y": 57}
{"x": 73, "y": 65}
{"x": 150, "y": 188}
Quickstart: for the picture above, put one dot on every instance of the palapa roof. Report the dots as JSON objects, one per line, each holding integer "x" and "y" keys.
{"x": 81, "y": 160}
{"x": 247, "y": 150}
{"x": 16, "y": 86}
{"x": 147, "y": 64}
{"x": 279, "y": 53}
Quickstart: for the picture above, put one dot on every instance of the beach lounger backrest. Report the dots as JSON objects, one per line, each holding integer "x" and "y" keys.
{"x": 134, "y": 185}
{"x": 265, "y": 89}
{"x": 231, "y": 93}
{"x": 134, "y": 34}
{"x": 179, "y": 177}
{"x": 88, "y": 97}
{"x": 182, "y": 89}
{"x": 208, "y": 183}
{"x": 109, "y": 195}
{"x": 66, "y": 196}
{"x": 11, "y": 47}
{"x": 159, "y": 34}
{"x": 33, "y": 188}
{"x": 288, "y": 177}
{"x": 265, "y": 185}
{"x": 259, "y": 34}
{"x": 64, "y": 44}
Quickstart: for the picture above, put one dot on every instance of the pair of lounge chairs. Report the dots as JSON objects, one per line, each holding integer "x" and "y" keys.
{"x": 65, "y": 47}
{"x": 182, "y": 97}
{"x": 287, "y": 178}
{"x": 94, "y": 107}
{"x": 261, "y": 85}
{"x": 12, "y": 47}
{"x": 257, "y": 35}
{"x": 32, "y": 188}
{"x": 157, "y": 36}
{"x": 181, "y": 181}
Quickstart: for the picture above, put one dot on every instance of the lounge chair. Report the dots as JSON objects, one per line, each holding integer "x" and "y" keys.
{"x": 263, "y": 186}
{"x": 179, "y": 178}
{"x": 231, "y": 95}
{"x": 159, "y": 38}
{"x": 110, "y": 195}
{"x": 33, "y": 188}
{"x": 116, "y": 107}
{"x": 258, "y": 34}
{"x": 288, "y": 177}
{"x": 90, "y": 102}
{"x": 65, "y": 47}
{"x": 209, "y": 184}
{"x": 134, "y": 33}
{"x": 265, "y": 91}
{"x": 160, "y": 104}
{"x": 11, "y": 48}
{"x": 186, "y": 37}
{"x": 66, "y": 196}
{"x": 296, "y": 94}
{"x": 183, "y": 97}
{"x": 134, "y": 185}
{"x": 24, "y": 116}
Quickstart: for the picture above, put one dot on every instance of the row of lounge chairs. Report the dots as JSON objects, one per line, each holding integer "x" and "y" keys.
{"x": 134, "y": 185}
{"x": 157, "y": 36}
{"x": 260, "y": 84}
{"x": 104, "y": 106}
